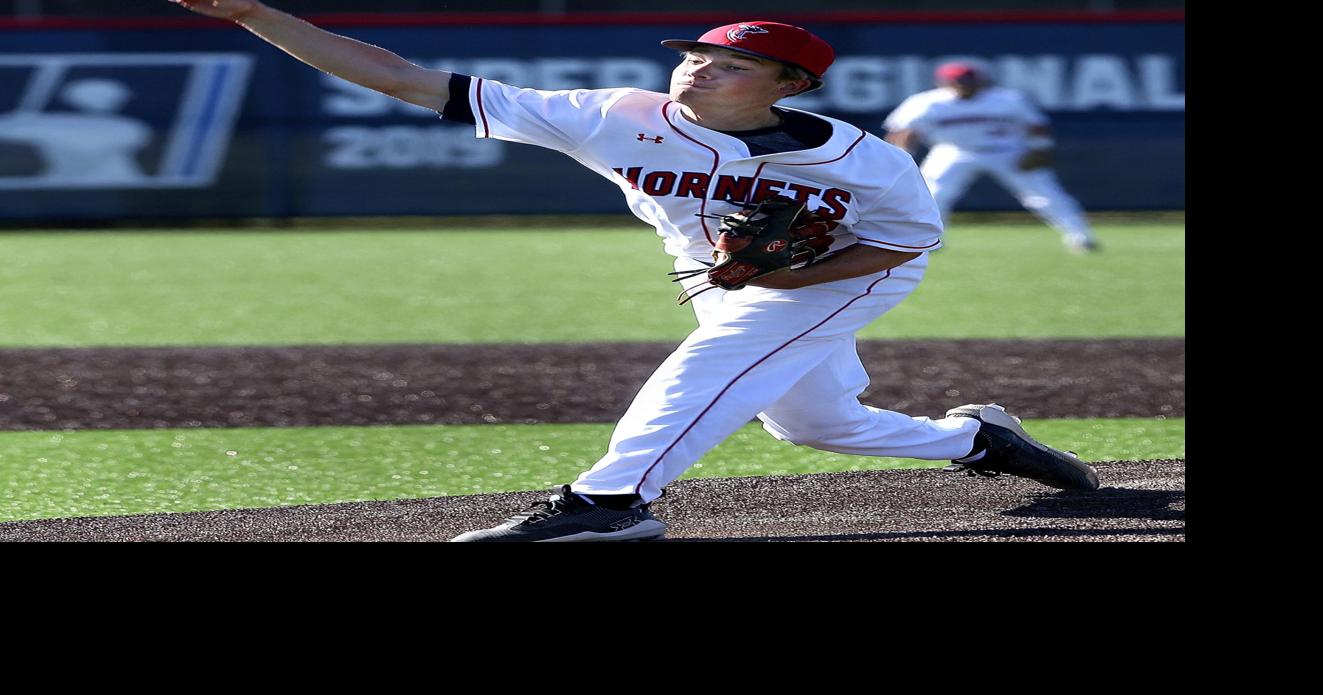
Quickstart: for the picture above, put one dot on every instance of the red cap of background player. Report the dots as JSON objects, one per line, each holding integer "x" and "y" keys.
{"x": 949, "y": 72}
{"x": 781, "y": 42}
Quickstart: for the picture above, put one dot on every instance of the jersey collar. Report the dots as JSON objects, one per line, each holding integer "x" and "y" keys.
{"x": 843, "y": 137}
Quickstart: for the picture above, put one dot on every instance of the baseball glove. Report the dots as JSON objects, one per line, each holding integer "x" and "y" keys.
{"x": 772, "y": 235}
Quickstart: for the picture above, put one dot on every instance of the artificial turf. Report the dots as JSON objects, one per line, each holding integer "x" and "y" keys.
{"x": 381, "y": 286}
{"x": 51, "y": 474}
{"x": 233, "y": 287}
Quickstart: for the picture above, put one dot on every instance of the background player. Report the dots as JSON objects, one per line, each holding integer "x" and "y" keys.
{"x": 976, "y": 128}
{"x": 782, "y": 349}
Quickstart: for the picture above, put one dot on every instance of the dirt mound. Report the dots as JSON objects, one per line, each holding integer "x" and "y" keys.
{"x": 141, "y": 388}
{"x": 1139, "y": 501}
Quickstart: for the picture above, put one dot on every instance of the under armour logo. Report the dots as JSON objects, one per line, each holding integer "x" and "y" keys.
{"x": 656, "y": 140}
{"x": 622, "y": 524}
{"x": 776, "y": 246}
{"x": 744, "y": 30}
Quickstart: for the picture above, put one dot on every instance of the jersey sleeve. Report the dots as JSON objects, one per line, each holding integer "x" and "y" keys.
{"x": 907, "y": 116}
{"x": 560, "y": 120}
{"x": 1031, "y": 114}
{"x": 902, "y": 215}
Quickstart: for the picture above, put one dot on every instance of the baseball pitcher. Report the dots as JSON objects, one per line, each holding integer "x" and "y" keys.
{"x": 790, "y": 232}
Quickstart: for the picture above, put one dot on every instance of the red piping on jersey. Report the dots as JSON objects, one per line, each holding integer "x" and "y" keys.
{"x": 762, "y": 359}
{"x": 862, "y": 135}
{"x": 712, "y": 175}
{"x": 903, "y": 246}
{"x": 759, "y": 172}
{"x": 486, "y": 132}
{"x": 857, "y": 140}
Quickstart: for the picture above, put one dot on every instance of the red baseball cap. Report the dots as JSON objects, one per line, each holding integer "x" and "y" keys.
{"x": 958, "y": 70}
{"x": 783, "y": 43}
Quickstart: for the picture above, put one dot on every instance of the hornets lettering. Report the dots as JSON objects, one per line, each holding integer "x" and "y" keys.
{"x": 697, "y": 184}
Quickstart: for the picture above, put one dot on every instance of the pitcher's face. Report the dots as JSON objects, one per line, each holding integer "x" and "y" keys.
{"x": 716, "y": 76}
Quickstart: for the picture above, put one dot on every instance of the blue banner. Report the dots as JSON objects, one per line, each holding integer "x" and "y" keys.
{"x": 212, "y": 122}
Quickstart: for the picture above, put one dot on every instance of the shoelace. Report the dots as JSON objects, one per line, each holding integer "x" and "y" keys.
{"x": 544, "y": 509}
{"x": 535, "y": 514}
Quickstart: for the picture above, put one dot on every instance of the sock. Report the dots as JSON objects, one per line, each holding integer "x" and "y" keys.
{"x": 617, "y": 502}
{"x": 980, "y": 453}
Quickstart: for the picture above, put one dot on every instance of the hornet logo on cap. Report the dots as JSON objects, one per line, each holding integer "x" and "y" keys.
{"x": 744, "y": 30}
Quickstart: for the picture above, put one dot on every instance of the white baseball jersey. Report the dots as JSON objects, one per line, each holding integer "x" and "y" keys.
{"x": 988, "y": 134}
{"x": 995, "y": 119}
{"x": 670, "y": 169}
{"x": 786, "y": 357}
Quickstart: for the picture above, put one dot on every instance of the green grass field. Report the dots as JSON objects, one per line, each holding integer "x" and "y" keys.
{"x": 81, "y": 289}
{"x": 101, "y": 472}
{"x": 493, "y": 285}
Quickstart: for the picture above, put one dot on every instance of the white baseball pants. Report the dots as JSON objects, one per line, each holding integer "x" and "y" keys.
{"x": 949, "y": 172}
{"x": 786, "y": 357}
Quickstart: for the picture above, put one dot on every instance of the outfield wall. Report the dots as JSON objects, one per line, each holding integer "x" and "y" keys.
{"x": 180, "y": 118}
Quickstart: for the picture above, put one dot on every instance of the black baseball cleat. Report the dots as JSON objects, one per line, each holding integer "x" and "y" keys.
{"x": 567, "y": 517}
{"x": 1011, "y": 450}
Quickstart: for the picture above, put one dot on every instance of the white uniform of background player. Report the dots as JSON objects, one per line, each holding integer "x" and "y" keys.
{"x": 975, "y": 128}
{"x": 781, "y": 349}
